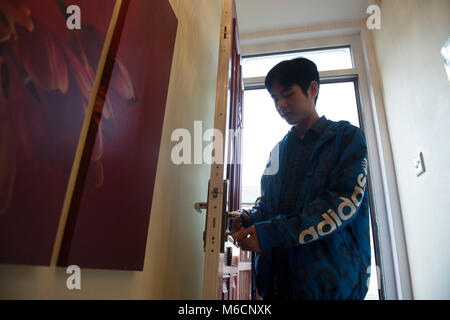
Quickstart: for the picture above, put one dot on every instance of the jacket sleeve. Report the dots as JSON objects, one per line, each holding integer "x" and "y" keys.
{"x": 333, "y": 210}
{"x": 255, "y": 212}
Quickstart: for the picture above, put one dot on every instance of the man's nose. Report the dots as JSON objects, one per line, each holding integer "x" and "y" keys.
{"x": 282, "y": 104}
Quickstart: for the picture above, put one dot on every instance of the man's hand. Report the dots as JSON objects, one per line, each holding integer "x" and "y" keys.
{"x": 247, "y": 239}
{"x": 245, "y": 217}
{"x": 236, "y": 220}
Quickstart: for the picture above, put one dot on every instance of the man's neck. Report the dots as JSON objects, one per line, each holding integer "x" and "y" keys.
{"x": 302, "y": 127}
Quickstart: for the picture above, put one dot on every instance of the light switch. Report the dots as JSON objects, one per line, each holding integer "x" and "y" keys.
{"x": 419, "y": 165}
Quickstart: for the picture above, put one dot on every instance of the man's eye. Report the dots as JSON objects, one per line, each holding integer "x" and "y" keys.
{"x": 288, "y": 95}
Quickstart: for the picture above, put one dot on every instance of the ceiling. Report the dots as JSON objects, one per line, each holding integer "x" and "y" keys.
{"x": 265, "y": 15}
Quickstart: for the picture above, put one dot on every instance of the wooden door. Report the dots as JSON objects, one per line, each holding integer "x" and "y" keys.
{"x": 227, "y": 273}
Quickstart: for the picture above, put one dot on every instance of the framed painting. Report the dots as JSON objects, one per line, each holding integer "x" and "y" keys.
{"x": 47, "y": 80}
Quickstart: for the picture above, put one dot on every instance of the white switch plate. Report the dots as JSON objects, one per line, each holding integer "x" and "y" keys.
{"x": 418, "y": 164}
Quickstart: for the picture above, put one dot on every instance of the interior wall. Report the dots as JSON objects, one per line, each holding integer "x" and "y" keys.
{"x": 417, "y": 99}
{"x": 174, "y": 256}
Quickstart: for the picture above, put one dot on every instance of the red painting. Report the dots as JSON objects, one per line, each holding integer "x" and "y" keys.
{"x": 47, "y": 74}
{"x": 46, "y": 77}
{"x": 112, "y": 221}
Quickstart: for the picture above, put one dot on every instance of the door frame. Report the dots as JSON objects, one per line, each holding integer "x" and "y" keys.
{"x": 217, "y": 190}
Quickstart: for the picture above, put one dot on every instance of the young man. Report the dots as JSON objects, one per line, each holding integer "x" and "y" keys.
{"x": 310, "y": 227}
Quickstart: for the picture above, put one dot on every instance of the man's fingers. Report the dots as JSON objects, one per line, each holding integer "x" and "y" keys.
{"x": 245, "y": 245}
{"x": 247, "y": 239}
{"x": 239, "y": 234}
{"x": 248, "y": 242}
{"x": 251, "y": 230}
{"x": 244, "y": 233}
{"x": 245, "y": 217}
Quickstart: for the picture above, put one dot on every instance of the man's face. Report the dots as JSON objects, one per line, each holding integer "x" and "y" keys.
{"x": 292, "y": 104}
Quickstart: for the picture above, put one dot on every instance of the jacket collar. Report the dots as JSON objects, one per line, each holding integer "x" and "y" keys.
{"x": 325, "y": 128}
{"x": 317, "y": 128}
{"x": 328, "y": 129}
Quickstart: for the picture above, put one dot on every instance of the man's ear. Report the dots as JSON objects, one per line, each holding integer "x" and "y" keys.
{"x": 313, "y": 89}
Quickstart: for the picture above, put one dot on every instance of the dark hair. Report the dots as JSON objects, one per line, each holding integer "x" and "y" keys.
{"x": 298, "y": 71}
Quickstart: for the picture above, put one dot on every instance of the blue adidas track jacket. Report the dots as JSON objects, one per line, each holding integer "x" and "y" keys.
{"x": 327, "y": 236}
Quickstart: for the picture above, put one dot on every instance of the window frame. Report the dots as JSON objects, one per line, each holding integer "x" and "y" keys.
{"x": 299, "y": 51}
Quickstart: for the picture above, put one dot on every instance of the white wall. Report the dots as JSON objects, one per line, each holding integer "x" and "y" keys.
{"x": 174, "y": 258}
{"x": 417, "y": 102}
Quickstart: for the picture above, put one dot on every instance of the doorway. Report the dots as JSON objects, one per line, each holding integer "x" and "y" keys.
{"x": 339, "y": 99}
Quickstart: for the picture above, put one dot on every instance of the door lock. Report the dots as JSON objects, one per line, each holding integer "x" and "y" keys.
{"x": 201, "y": 205}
